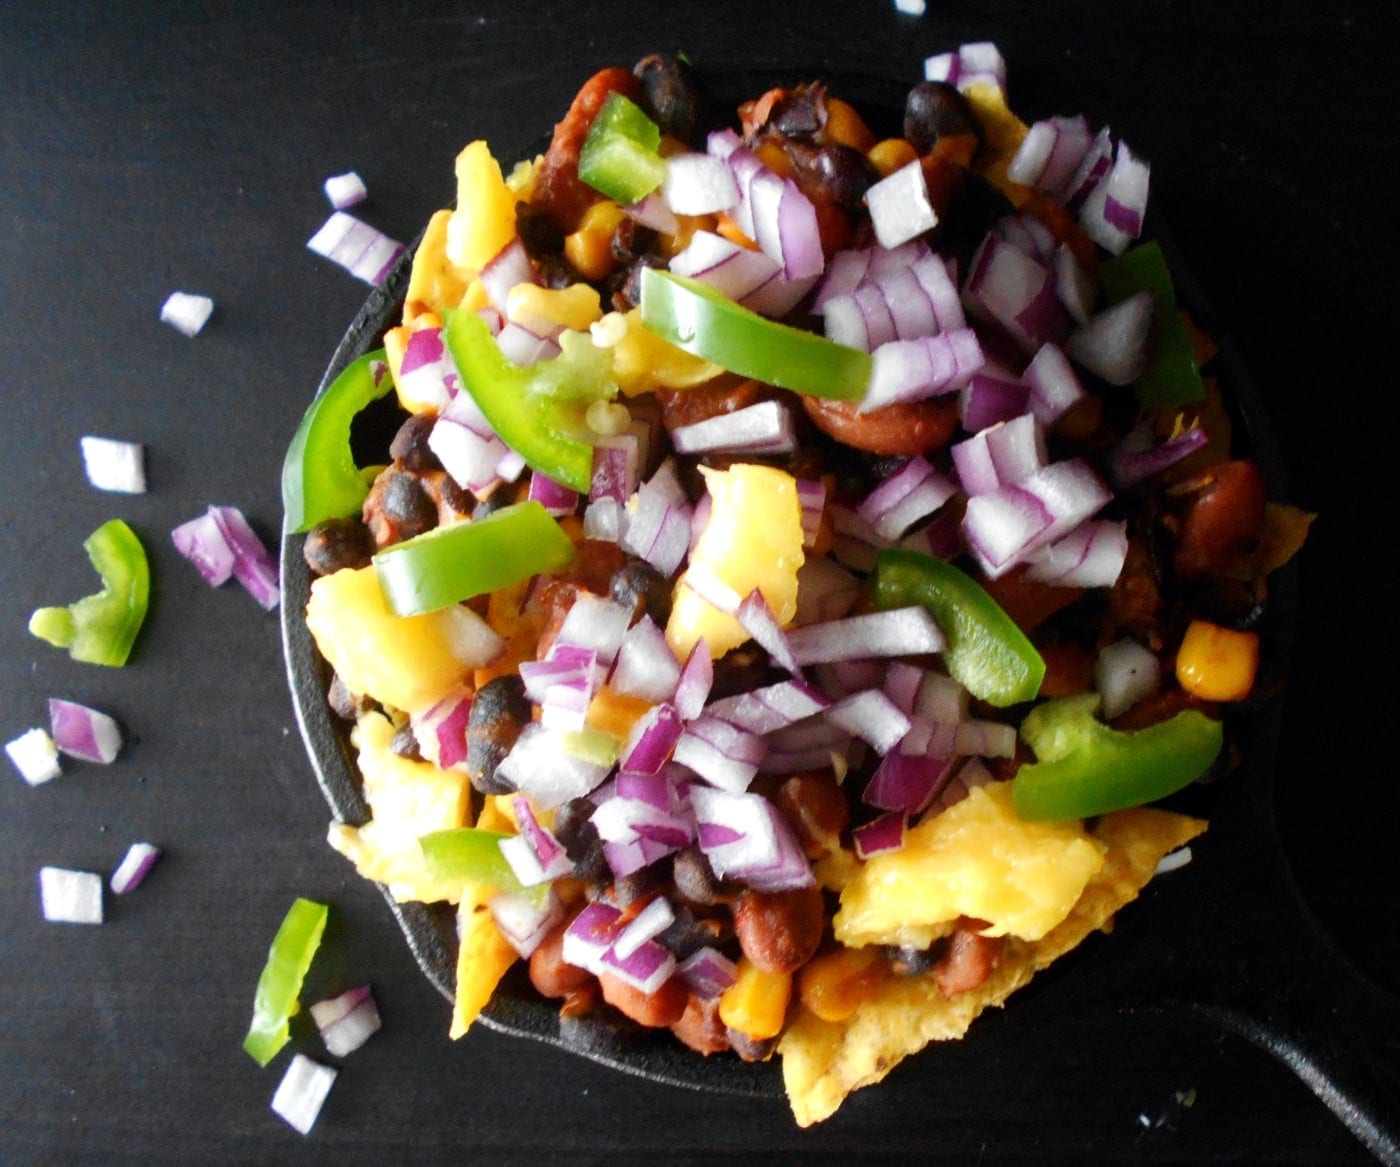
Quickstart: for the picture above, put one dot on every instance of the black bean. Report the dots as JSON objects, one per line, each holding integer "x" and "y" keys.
{"x": 499, "y": 714}
{"x": 642, "y": 588}
{"x": 696, "y": 880}
{"x": 640, "y": 884}
{"x": 630, "y": 241}
{"x": 405, "y": 744}
{"x": 752, "y": 1049}
{"x": 579, "y": 837}
{"x": 556, "y": 271}
{"x": 845, "y": 174}
{"x": 935, "y": 109}
{"x": 800, "y": 114}
{"x": 343, "y": 702}
{"x": 337, "y": 544}
{"x": 491, "y": 503}
{"x": 407, "y": 506}
{"x": 910, "y": 962}
{"x": 670, "y": 95}
{"x": 458, "y": 497}
{"x": 410, "y": 444}
{"x": 538, "y": 231}
{"x": 686, "y": 935}
{"x": 624, "y": 286}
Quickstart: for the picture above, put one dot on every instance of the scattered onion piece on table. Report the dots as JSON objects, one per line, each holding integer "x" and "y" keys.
{"x": 302, "y": 1092}
{"x": 220, "y": 544}
{"x": 346, "y": 1022}
{"x": 345, "y": 190}
{"x": 114, "y": 465}
{"x": 84, "y": 733}
{"x": 186, "y": 312}
{"x": 35, "y": 756}
{"x": 367, "y": 254}
{"x": 70, "y": 897}
{"x": 134, "y": 867}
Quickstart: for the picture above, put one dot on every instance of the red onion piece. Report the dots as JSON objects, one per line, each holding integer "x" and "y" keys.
{"x": 548, "y": 851}
{"x": 83, "y": 733}
{"x": 597, "y": 623}
{"x": 646, "y": 667}
{"x": 872, "y": 717}
{"x": 646, "y": 925}
{"x": 202, "y": 542}
{"x": 114, "y": 465}
{"x": 1050, "y": 154}
{"x": 989, "y": 399}
{"x": 1135, "y": 459}
{"x": 911, "y": 370}
{"x": 897, "y": 632}
{"x": 653, "y": 738}
{"x": 646, "y": 969}
{"x": 698, "y": 184}
{"x": 253, "y": 567}
{"x": 724, "y": 265}
{"x": 1017, "y": 449}
{"x": 1113, "y": 211}
{"x": 134, "y": 867}
{"x": 708, "y": 973}
{"x": 70, "y": 897}
{"x": 1028, "y": 235}
{"x": 346, "y": 1022}
{"x": 658, "y": 522}
{"x": 590, "y": 934}
{"x": 977, "y": 63}
{"x": 1091, "y": 170}
{"x": 759, "y": 622}
{"x": 1013, "y": 290}
{"x": 558, "y": 500}
{"x": 726, "y": 757}
{"x": 1053, "y": 384}
{"x": 345, "y": 190}
{"x": 35, "y": 756}
{"x": 302, "y": 1092}
{"x": 763, "y": 711}
{"x": 907, "y": 783}
{"x": 470, "y": 457}
{"x": 986, "y": 739}
{"x": 881, "y": 837}
{"x": 1113, "y": 345}
{"x": 693, "y": 689}
{"x": 762, "y": 428}
{"x": 539, "y": 766}
{"x": 1077, "y": 289}
{"x": 1001, "y": 525}
{"x": 522, "y": 346}
{"x": 899, "y": 205}
{"x": 744, "y": 836}
{"x": 365, "y": 253}
{"x": 653, "y": 212}
{"x": 428, "y": 376}
{"x": 186, "y": 313}
{"x": 1125, "y": 673}
{"x": 602, "y": 521}
{"x": 568, "y": 665}
{"x": 1090, "y": 556}
{"x": 912, "y": 493}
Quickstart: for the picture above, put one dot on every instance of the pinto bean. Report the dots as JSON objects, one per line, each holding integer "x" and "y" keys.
{"x": 559, "y": 191}
{"x": 780, "y": 931}
{"x": 969, "y": 961}
{"x": 816, "y": 809}
{"x": 658, "y": 1010}
{"x": 1222, "y": 523}
{"x": 700, "y": 1026}
{"x": 549, "y": 973}
{"x": 907, "y": 428}
{"x": 715, "y": 398}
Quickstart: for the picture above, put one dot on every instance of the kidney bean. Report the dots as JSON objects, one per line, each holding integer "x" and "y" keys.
{"x": 559, "y": 192}
{"x": 336, "y": 544}
{"x": 700, "y": 1027}
{"x": 658, "y": 1010}
{"x": 550, "y": 975}
{"x": 499, "y": 714}
{"x": 1223, "y": 520}
{"x": 816, "y": 809}
{"x": 1069, "y": 668}
{"x": 843, "y": 174}
{"x": 780, "y": 931}
{"x": 969, "y": 960}
{"x": 724, "y": 395}
{"x": 1028, "y": 602}
{"x": 909, "y": 428}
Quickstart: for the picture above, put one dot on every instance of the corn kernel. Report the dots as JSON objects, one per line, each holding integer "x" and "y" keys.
{"x": 835, "y": 984}
{"x": 756, "y": 1004}
{"x": 890, "y": 155}
{"x": 1217, "y": 664}
{"x": 847, "y": 127}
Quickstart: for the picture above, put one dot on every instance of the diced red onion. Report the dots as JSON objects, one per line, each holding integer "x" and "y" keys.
{"x": 744, "y": 836}
{"x": 811, "y": 497}
{"x": 1028, "y": 235}
{"x": 986, "y": 739}
{"x": 1017, "y": 449}
{"x": 872, "y": 717}
{"x": 428, "y": 377}
{"x": 658, "y": 524}
{"x": 653, "y": 738}
{"x": 697, "y": 675}
{"x": 646, "y": 969}
{"x": 972, "y": 459}
{"x": 1012, "y": 289}
{"x": 910, "y": 370}
{"x": 698, "y": 184}
{"x": 553, "y": 860}
{"x": 1114, "y": 343}
{"x": 603, "y": 520}
{"x": 763, "y": 711}
{"x": 653, "y": 212}
{"x": 1050, "y": 154}
{"x": 1077, "y": 289}
{"x": 731, "y": 269}
{"x": 1125, "y": 673}
{"x": 708, "y": 972}
{"x": 253, "y": 567}
{"x": 800, "y": 761}
{"x": 901, "y": 685}
{"x": 844, "y": 272}
{"x": 629, "y": 820}
{"x": 977, "y": 63}
{"x": 723, "y": 755}
{"x": 597, "y": 623}
{"x": 825, "y": 591}
{"x": 348, "y": 1021}
{"x": 345, "y": 190}
{"x": 900, "y": 207}
{"x": 83, "y": 733}
{"x": 35, "y": 756}
{"x": 762, "y": 428}
{"x": 539, "y": 765}
{"x": 590, "y": 934}
{"x": 646, "y": 925}
{"x": 134, "y": 867}
{"x": 941, "y": 538}
{"x": 562, "y": 684}
{"x": 940, "y": 698}
{"x": 989, "y": 399}
{"x": 1090, "y": 556}
{"x": 114, "y": 465}
{"x": 1135, "y": 459}
{"x": 70, "y": 897}
{"x": 558, "y": 500}
{"x": 646, "y": 667}
{"x": 759, "y": 622}
{"x": 302, "y": 1092}
{"x": 897, "y": 632}
{"x": 974, "y": 773}
{"x": 1054, "y": 385}
{"x": 1113, "y": 211}
{"x": 841, "y": 678}
{"x": 907, "y": 783}
{"x": 1001, "y": 524}
{"x": 1091, "y": 170}
{"x": 365, "y": 253}
{"x": 186, "y": 312}
{"x": 913, "y": 492}
{"x": 616, "y": 467}
{"x": 522, "y": 346}
{"x": 202, "y": 542}
{"x": 883, "y": 836}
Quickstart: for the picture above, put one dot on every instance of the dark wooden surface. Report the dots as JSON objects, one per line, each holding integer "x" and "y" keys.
{"x": 145, "y": 148}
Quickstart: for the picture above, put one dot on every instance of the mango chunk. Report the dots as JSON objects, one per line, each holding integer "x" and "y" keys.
{"x": 484, "y": 221}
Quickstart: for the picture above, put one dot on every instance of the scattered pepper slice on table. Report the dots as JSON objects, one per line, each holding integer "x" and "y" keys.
{"x": 287, "y": 961}
{"x": 100, "y": 629}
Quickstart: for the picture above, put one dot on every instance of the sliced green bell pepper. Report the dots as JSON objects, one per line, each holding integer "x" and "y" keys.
{"x": 100, "y": 629}
{"x": 471, "y": 854}
{"x": 1084, "y": 768}
{"x": 1171, "y": 377}
{"x": 537, "y": 409}
{"x": 287, "y": 961}
{"x": 700, "y": 320}
{"x": 319, "y": 477}
{"x": 453, "y": 563}
{"x": 619, "y": 156}
{"x": 986, "y": 654}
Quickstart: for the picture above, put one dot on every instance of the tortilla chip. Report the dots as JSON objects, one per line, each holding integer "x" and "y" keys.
{"x": 825, "y": 1061}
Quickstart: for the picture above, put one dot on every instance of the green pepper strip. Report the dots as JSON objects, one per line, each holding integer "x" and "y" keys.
{"x": 1085, "y": 768}
{"x": 100, "y": 629}
{"x": 287, "y": 961}
{"x": 619, "y": 157}
{"x": 462, "y": 854}
{"x": 700, "y": 320}
{"x": 1171, "y": 377}
{"x": 534, "y": 409}
{"x": 319, "y": 477}
{"x": 449, "y": 564}
{"x": 987, "y": 653}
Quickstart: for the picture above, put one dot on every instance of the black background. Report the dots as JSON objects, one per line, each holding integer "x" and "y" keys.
{"x": 148, "y": 148}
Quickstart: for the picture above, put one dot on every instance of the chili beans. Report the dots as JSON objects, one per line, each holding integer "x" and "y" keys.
{"x": 398, "y": 508}
{"x": 700, "y": 1026}
{"x": 1223, "y": 521}
{"x": 410, "y": 445}
{"x": 658, "y": 1010}
{"x": 908, "y": 428}
{"x": 780, "y": 931}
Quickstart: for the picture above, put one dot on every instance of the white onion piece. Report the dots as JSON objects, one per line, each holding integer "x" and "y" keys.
{"x": 83, "y": 733}
{"x": 646, "y": 667}
{"x": 34, "y": 755}
{"x": 1125, "y": 673}
{"x": 899, "y": 205}
{"x": 698, "y": 184}
{"x": 1113, "y": 345}
{"x": 1174, "y": 861}
{"x": 345, "y": 190}
{"x": 348, "y": 1021}
{"x": 186, "y": 312}
{"x": 913, "y": 492}
{"x": 134, "y": 867}
{"x": 1054, "y": 385}
{"x": 897, "y": 632}
{"x": 539, "y": 765}
{"x": 603, "y": 520}
{"x": 70, "y": 897}
{"x": 1090, "y": 556}
{"x": 976, "y": 63}
{"x": 365, "y": 253}
{"x": 911, "y": 370}
{"x": 1113, "y": 212}
{"x": 302, "y": 1092}
{"x": 985, "y": 739}
{"x": 114, "y": 465}
{"x": 1077, "y": 289}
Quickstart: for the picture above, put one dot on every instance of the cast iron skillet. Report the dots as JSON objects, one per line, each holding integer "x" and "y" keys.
{"x": 1228, "y": 938}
